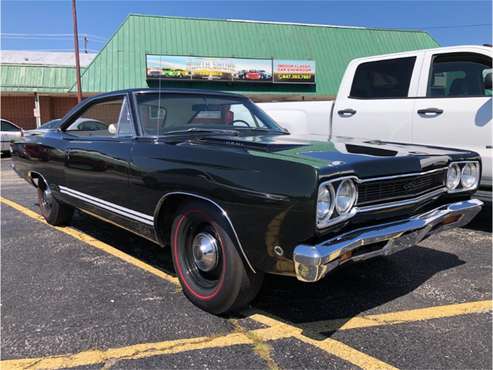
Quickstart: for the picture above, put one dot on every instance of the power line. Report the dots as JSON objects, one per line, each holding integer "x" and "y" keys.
{"x": 51, "y": 35}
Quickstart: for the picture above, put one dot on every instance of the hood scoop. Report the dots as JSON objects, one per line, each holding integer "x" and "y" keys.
{"x": 265, "y": 144}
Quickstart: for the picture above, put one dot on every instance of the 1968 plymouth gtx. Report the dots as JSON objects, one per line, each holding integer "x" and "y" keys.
{"x": 233, "y": 195}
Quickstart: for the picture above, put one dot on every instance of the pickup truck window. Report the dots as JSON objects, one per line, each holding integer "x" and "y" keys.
{"x": 459, "y": 74}
{"x": 383, "y": 79}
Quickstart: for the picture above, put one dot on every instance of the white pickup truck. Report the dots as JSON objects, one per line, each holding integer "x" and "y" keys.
{"x": 440, "y": 97}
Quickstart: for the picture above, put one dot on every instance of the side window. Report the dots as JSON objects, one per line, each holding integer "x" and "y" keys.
{"x": 125, "y": 123}
{"x": 383, "y": 79}
{"x": 460, "y": 74}
{"x": 7, "y": 126}
{"x": 103, "y": 119}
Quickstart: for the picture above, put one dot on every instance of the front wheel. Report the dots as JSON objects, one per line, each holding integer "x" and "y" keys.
{"x": 211, "y": 272}
{"x": 54, "y": 212}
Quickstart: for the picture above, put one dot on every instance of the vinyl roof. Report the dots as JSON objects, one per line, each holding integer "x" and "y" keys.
{"x": 121, "y": 63}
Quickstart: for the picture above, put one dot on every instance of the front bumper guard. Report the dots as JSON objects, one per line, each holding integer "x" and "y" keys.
{"x": 313, "y": 262}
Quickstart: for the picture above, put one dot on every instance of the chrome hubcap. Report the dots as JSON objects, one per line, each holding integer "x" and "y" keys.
{"x": 205, "y": 251}
{"x": 47, "y": 198}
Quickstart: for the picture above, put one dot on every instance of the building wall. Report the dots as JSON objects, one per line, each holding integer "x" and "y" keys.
{"x": 19, "y": 110}
{"x": 55, "y": 106}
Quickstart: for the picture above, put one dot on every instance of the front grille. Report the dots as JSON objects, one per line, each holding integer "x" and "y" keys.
{"x": 400, "y": 188}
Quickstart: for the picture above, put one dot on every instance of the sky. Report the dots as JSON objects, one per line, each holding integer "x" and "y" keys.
{"x": 47, "y": 25}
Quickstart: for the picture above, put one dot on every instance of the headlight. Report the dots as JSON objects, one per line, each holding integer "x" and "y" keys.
{"x": 453, "y": 176}
{"x": 470, "y": 176}
{"x": 346, "y": 196}
{"x": 325, "y": 204}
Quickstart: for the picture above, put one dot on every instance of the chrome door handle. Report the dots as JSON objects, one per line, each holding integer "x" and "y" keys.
{"x": 346, "y": 112}
{"x": 430, "y": 111}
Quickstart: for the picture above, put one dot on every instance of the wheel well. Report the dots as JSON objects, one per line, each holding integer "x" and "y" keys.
{"x": 166, "y": 211}
{"x": 37, "y": 180}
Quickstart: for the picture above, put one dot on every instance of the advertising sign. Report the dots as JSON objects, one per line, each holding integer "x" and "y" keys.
{"x": 174, "y": 67}
{"x": 294, "y": 71}
{"x": 188, "y": 68}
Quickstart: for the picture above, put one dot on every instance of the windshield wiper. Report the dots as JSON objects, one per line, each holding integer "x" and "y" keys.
{"x": 198, "y": 130}
{"x": 282, "y": 131}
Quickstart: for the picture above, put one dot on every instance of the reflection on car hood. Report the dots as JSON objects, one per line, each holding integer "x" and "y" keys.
{"x": 368, "y": 158}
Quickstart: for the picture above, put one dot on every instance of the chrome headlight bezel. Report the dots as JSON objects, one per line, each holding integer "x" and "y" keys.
{"x": 462, "y": 186}
{"x": 335, "y": 215}
{"x": 456, "y": 170}
{"x": 474, "y": 167}
{"x": 329, "y": 194}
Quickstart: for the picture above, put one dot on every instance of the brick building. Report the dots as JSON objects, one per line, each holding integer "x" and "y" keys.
{"x": 35, "y": 86}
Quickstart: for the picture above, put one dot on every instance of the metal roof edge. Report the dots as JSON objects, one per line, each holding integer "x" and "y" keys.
{"x": 98, "y": 55}
{"x": 275, "y": 23}
{"x": 38, "y": 65}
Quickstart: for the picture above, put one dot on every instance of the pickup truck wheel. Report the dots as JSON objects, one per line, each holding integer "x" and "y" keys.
{"x": 53, "y": 211}
{"x": 206, "y": 261}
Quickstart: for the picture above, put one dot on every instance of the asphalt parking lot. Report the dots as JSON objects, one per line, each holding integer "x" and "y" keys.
{"x": 94, "y": 296}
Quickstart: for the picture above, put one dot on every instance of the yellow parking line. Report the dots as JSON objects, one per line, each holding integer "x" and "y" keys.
{"x": 401, "y": 317}
{"x": 277, "y": 328}
{"x": 93, "y": 242}
{"x": 93, "y": 357}
{"x": 281, "y": 330}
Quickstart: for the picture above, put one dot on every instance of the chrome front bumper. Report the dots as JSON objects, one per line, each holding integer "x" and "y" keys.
{"x": 312, "y": 262}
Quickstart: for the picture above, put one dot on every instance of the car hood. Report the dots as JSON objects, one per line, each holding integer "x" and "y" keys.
{"x": 366, "y": 158}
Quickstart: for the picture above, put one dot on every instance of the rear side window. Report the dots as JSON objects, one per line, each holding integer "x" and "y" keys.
{"x": 7, "y": 126}
{"x": 459, "y": 74}
{"x": 383, "y": 79}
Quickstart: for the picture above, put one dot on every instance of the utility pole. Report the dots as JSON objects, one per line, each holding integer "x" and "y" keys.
{"x": 76, "y": 47}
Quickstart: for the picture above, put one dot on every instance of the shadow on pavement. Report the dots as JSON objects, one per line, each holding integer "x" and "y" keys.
{"x": 483, "y": 221}
{"x": 345, "y": 293}
{"x": 352, "y": 289}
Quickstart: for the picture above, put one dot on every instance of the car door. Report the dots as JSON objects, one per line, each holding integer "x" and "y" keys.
{"x": 373, "y": 99}
{"x": 98, "y": 146}
{"x": 455, "y": 105}
{"x": 8, "y": 132}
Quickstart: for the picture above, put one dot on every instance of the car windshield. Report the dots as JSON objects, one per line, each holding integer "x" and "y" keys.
{"x": 166, "y": 113}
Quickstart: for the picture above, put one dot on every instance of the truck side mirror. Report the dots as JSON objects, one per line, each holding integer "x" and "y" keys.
{"x": 487, "y": 81}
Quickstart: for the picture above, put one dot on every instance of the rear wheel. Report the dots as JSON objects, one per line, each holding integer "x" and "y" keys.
{"x": 210, "y": 270}
{"x": 54, "y": 212}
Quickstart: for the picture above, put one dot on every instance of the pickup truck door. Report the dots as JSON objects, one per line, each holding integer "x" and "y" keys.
{"x": 97, "y": 154}
{"x": 454, "y": 104}
{"x": 373, "y": 99}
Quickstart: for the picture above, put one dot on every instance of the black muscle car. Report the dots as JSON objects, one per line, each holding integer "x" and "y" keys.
{"x": 234, "y": 195}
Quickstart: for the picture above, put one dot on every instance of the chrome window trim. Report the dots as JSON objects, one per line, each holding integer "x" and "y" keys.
{"x": 223, "y": 212}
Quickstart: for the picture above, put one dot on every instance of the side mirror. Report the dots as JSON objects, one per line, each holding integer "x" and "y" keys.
{"x": 112, "y": 129}
{"x": 487, "y": 81}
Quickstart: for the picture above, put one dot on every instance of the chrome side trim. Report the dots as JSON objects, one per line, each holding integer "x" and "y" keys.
{"x": 313, "y": 262}
{"x": 92, "y": 214}
{"x": 141, "y": 217}
{"x": 223, "y": 212}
